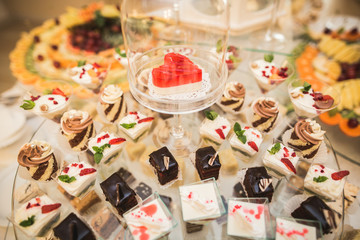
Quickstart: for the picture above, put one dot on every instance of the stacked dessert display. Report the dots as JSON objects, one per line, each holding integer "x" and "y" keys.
{"x": 120, "y": 174}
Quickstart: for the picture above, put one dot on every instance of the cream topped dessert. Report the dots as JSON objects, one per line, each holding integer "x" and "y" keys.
{"x": 309, "y": 103}
{"x": 88, "y": 75}
{"x": 215, "y": 127}
{"x": 199, "y": 202}
{"x": 112, "y": 104}
{"x": 39, "y": 160}
{"x": 267, "y": 74}
{"x": 325, "y": 181}
{"x": 36, "y": 216}
{"x": 120, "y": 56}
{"x": 292, "y": 230}
{"x": 77, "y": 126}
{"x": 265, "y": 113}
{"x": 76, "y": 178}
{"x": 233, "y": 97}
{"x": 135, "y": 124}
{"x": 280, "y": 158}
{"x": 105, "y": 146}
{"x": 246, "y": 219}
{"x": 148, "y": 221}
{"x": 50, "y": 106}
{"x": 246, "y": 140}
{"x": 307, "y": 136}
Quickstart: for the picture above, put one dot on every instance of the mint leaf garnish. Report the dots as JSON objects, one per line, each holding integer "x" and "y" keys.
{"x": 269, "y": 57}
{"x": 66, "y": 178}
{"x": 341, "y": 30}
{"x": 234, "y": 59}
{"x": 28, "y": 105}
{"x": 99, "y": 19}
{"x": 118, "y": 51}
{"x": 128, "y": 125}
{"x": 240, "y": 133}
{"x": 219, "y": 46}
{"x": 275, "y": 148}
{"x": 81, "y": 63}
{"x": 99, "y": 152}
{"x": 212, "y": 115}
{"x": 47, "y": 91}
{"x": 320, "y": 179}
{"x": 332, "y": 112}
{"x": 30, "y": 221}
{"x": 306, "y": 87}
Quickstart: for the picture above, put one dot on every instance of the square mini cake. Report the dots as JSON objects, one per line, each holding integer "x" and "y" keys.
{"x": 118, "y": 193}
{"x": 135, "y": 124}
{"x": 165, "y": 165}
{"x": 207, "y": 163}
{"x": 214, "y": 127}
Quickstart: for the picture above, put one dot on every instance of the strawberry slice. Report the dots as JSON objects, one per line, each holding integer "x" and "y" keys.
{"x": 66, "y": 170}
{"x": 50, "y": 208}
{"x": 288, "y": 164}
{"x": 148, "y": 119}
{"x": 220, "y": 132}
{"x": 116, "y": 141}
{"x": 57, "y": 91}
{"x": 253, "y": 145}
{"x": 87, "y": 171}
{"x": 339, "y": 175}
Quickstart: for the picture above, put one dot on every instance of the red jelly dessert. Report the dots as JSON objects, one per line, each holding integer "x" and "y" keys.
{"x": 178, "y": 75}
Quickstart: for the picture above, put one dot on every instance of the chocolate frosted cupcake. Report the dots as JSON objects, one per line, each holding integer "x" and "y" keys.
{"x": 77, "y": 127}
{"x": 307, "y": 137}
{"x": 233, "y": 97}
{"x": 112, "y": 104}
{"x": 265, "y": 113}
{"x": 39, "y": 160}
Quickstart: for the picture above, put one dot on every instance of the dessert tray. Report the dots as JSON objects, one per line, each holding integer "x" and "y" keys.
{"x": 133, "y": 166}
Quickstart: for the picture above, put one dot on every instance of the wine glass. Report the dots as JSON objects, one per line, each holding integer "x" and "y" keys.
{"x": 174, "y": 65}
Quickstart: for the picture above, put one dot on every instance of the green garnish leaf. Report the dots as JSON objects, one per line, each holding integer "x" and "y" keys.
{"x": 128, "y": 125}
{"x": 240, "y": 133}
{"x": 332, "y": 112}
{"x": 212, "y": 115}
{"x": 348, "y": 114}
{"x": 269, "y": 57}
{"x": 66, "y": 178}
{"x": 99, "y": 19}
{"x": 306, "y": 87}
{"x": 28, "y": 105}
{"x": 234, "y": 59}
{"x": 341, "y": 30}
{"x": 99, "y": 152}
{"x": 118, "y": 51}
{"x": 275, "y": 148}
{"x": 320, "y": 179}
{"x": 47, "y": 91}
{"x": 81, "y": 63}
{"x": 219, "y": 46}
{"x": 30, "y": 221}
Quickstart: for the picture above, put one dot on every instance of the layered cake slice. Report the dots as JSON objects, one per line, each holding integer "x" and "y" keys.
{"x": 214, "y": 127}
{"x": 313, "y": 208}
{"x": 207, "y": 163}
{"x": 246, "y": 140}
{"x": 281, "y": 159}
{"x": 72, "y": 227}
{"x": 307, "y": 136}
{"x": 105, "y": 146}
{"x": 265, "y": 113}
{"x": 233, "y": 97}
{"x": 290, "y": 230}
{"x": 149, "y": 221}
{"x": 165, "y": 165}
{"x": 112, "y": 103}
{"x": 36, "y": 216}
{"x": 77, "y": 126}
{"x": 254, "y": 182}
{"x": 246, "y": 219}
{"x": 325, "y": 181}
{"x": 135, "y": 124}
{"x": 38, "y": 158}
{"x": 77, "y": 178}
{"x": 177, "y": 75}
{"x": 118, "y": 193}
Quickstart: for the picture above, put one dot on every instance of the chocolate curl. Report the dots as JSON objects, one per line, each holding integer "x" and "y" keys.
{"x": 212, "y": 159}
{"x": 119, "y": 194}
{"x": 166, "y": 162}
{"x": 73, "y": 231}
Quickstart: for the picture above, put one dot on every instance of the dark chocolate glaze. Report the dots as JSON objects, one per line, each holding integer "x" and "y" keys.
{"x": 71, "y": 227}
{"x": 202, "y": 158}
{"x": 157, "y": 161}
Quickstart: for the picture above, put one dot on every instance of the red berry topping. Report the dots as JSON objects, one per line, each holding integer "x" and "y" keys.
{"x": 74, "y": 164}
{"x": 116, "y": 141}
{"x": 81, "y": 165}
{"x": 133, "y": 113}
{"x": 28, "y": 206}
{"x": 96, "y": 65}
{"x": 339, "y": 175}
{"x": 34, "y": 98}
{"x": 352, "y": 123}
{"x": 223, "y": 127}
{"x": 253, "y": 146}
{"x": 51, "y": 98}
{"x": 220, "y": 132}
{"x": 288, "y": 164}
{"x": 66, "y": 170}
{"x": 324, "y": 102}
{"x": 50, "y": 208}
{"x": 246, "y": 127}
{"x": 293, "y": 154}
{"x": 148, "y": 119}
{"x": 40, "y": 57}
{"x": 322, "y": 166}
{"x": 87, "y": 171}
{"x": 55, "y": 102}
{"x": 57, "y": 91}
{"x": 56, "y": 64}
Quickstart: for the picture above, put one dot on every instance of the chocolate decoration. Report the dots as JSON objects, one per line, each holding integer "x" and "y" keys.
{"x": 119, "y": 194}
{"x": 80, "y": 136}
{"x": 239, "y": 91}
{"x": 73, "y": 231}
{"x": 266, "y": 108}
{"x": 202, "y": 163}
{"x": 74, "y": 124}
{"x": 304, "y": 130}
{"x": 32, "y": 155}
{"x": 263, "y": 121}
{"x": 165, "y": 174}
